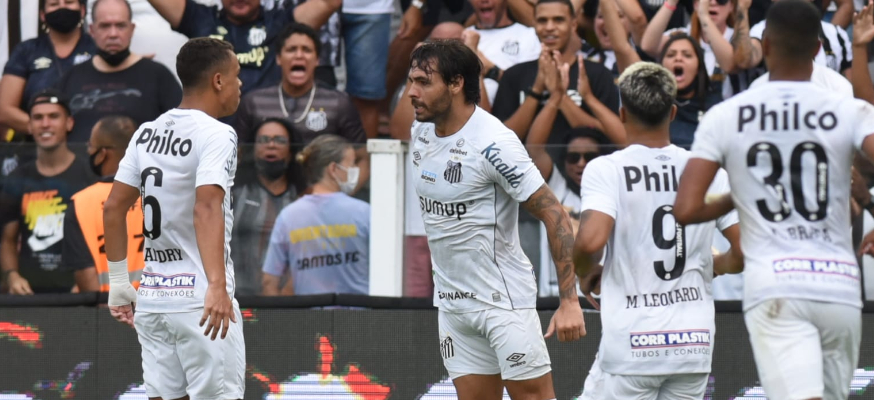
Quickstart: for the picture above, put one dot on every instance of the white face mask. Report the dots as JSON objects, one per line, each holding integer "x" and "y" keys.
{"x": 351, "y": 179}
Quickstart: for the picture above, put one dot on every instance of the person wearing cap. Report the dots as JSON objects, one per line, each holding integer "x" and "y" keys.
{"x": 35, "y": 200}
{"x": 83, "y": 226}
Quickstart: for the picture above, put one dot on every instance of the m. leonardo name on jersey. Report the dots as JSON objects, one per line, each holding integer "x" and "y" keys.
{"x": 653, "y": 181}
{"x": 435, "y": 207}
{"x": 162, "y": 256}
{"x": 679, "y": 295}
{"x": 164, "y": 144}
{"x": 493, "y": 154}
{"x": 788, "y": 117}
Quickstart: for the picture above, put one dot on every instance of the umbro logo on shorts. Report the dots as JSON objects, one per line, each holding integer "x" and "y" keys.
{"x": 446, "y": 349}
{"x": 516, "y": 359}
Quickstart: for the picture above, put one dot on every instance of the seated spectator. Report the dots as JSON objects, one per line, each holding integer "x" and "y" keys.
{"x": 247, "y": 26}
{"x": 258, "y": 199}
{"x": 116, "y": 81}
{"x": 711, "y": 27}
{"x": 499, "y": 42}
{"x": 522, "y": 91}
{"x": 633, "y": 20}
{"x": 35, "y": 65}
{"x": 38, "y": 63}
{"x": 83, "y": 222}
{"x": 835, "y": 50}
{"x": 329, "y": 36}
{"x": 323, "y": 237}
{"x": 311, "y": 109}
{"x": 683, "y": 56}
{"x": 584, "y": 144}
{"x": 35, "y": 200}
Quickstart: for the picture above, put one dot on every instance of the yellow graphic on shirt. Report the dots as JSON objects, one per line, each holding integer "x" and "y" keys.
{"x": 44, "y": 216}
{"x": 323, "y": 231}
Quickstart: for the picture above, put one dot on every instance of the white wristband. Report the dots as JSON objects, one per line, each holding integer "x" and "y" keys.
{"x": 118, "y": 272}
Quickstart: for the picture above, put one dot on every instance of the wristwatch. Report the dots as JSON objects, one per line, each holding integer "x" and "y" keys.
{"x": 537, "y": 96}
{"x": 418, "y": 4}
{"x": 493, "y": 73}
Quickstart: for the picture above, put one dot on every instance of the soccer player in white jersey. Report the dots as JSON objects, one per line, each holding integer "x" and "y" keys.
{"x": 787, "y": 147}
{"x": 471, "y": 171}
{"x": 656, "y": 305}
{"x": 183, "y": 165}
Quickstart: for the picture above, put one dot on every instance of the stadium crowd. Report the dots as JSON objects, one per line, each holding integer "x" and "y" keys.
{"x": 319, "y": 78}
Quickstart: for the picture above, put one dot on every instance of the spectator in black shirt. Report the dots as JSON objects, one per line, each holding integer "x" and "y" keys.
{"x": 116, "y": 82}
{"x": 247, "y": 26}
{"x": 522, "y": 92}
{"x": 34, "y": 202}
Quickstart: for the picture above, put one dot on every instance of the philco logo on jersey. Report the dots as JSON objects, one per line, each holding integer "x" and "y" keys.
{"x": 164, "y": 144}
{"x": 158, "y": 281}
{"x": 653, "y": 181}
{"x": 492, "y": 154}
{"x": 434, "y": 207}
{"x": 641, "y": 340}
{"x": 817, "y": 266}
{"x": 456, "y": 295}
{"x": 785, "y": 118}
{"x": 429, "y": 177}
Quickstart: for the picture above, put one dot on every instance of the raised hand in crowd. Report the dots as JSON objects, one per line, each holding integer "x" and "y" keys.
{"x": 610, "y": 124}
{"x": 863, "y": 34}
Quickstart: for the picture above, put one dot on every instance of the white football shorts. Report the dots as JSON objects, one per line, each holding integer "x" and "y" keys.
{"x": 805, "y": 349}
{"x": 655, "y": 387}
{"x": 493, "y": 341}
{"x": 179, "y": 360}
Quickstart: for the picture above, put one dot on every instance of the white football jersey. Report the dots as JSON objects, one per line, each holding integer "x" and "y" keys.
{"x": 167, "y": 159}
{"x": 656, "y": 302}
{"x": 469, "y": 185}
{"x": 788, "y": 148}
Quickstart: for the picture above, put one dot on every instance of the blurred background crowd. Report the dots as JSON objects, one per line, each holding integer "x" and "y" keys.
{"x": 320, "y": 78}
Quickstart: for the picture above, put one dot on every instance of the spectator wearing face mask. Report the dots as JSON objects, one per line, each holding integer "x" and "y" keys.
{"x": 258, "y": 199}
{"x": 322, "y": 239}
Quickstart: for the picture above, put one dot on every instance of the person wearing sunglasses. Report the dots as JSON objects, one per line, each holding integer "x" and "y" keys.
{"x": 711, "y": 26}
{"x": 274, "y": 183}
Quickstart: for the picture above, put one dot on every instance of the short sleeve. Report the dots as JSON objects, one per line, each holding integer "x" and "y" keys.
{"x": 18, "y": 60}
{"x": 217, "y": 160}
{"x": 507, "y": 163}
{"x": 709, "y": 138}
{"x": 846, "y": 47}
{"x": 10, "y": 199}
{"x": 276, "y": 259}
{"x": 169, "y": 89}
{"x": 720, "y": 185}
{"x": 531, "y": 50}
{"x": 757, "y": 30}
{"x": 129, "y": 166}
{"x": 75, "y": 254}
{"x": 864, "y": 122}
{"x": 598, "y": 188}
{"x": 350, "y": 124}
{"x": 507, "y": 97}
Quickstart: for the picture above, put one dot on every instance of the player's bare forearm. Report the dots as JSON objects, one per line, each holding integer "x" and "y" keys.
{"x": 209, "y": 230}
{"x": 545, "y": 206}
{"x": 121, "y": 198}
{"x": 691, "y": 206}
{"x": 595, "y": 230}
{"x": 732, "y": 261}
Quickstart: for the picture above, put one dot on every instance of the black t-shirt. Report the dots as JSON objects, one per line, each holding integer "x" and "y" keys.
{"x": 35, "y": 61}
{"x": 142, "y": 92}
{"x": 253, "y": 42}
{"x": 689, "y": 113}
{"x": 521, "y": 76}
{"x": 40, "y": 204}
